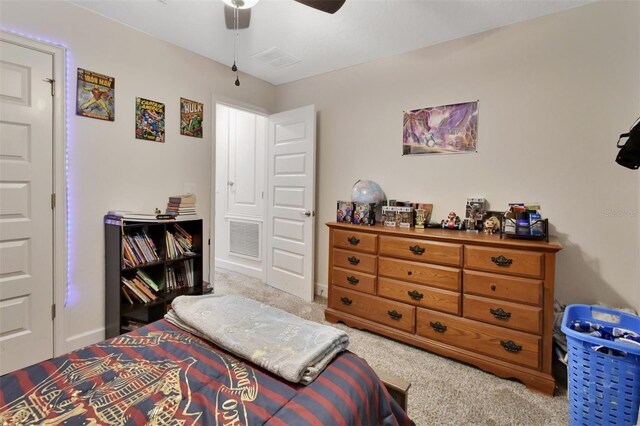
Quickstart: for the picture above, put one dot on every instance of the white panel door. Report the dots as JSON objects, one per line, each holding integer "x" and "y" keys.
{"x": 26, "y": 216}
{"x": 290, "y": 212}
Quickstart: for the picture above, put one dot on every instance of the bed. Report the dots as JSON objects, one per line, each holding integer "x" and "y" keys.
{"x": 162, "y": 375}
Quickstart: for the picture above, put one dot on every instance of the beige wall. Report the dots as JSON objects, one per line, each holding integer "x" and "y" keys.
{"x": 554, "y": 94}
{"x": 108, "y": 168}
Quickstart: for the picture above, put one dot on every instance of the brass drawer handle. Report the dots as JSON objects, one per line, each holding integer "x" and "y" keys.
{"x": 415, "y": 295}
{"x": 353, "y": 260}
{"x": 353, "y": 241}
{"x": 417, "y": 250}
{"x": 510, "y": 346}
{"x": 353, "y": 280}
{"x": 500, "y": 313}
{"x": 501, "y": 261}
{"x": 395, "y": 315}
{"x": 438, "y": 327}
{"x": 345, "y": 300}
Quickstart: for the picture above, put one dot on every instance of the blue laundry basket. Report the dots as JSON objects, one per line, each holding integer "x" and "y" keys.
{"x": 604, "y": 389}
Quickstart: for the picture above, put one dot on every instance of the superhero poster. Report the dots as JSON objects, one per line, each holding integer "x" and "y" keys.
{"x": 95, "y": 95}
{"x": 149, "y": 120}
{"x": 191, "y": 113}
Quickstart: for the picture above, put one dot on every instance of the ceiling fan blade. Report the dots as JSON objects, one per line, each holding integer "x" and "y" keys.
{"x": 329, "y": 6}
{"x": 244, "y": 18}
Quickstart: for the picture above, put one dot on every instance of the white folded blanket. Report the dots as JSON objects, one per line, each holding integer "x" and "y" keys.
{"x": 280, "y": 342}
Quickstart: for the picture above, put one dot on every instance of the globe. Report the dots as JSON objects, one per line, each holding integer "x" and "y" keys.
{"x": 367, "y": 191}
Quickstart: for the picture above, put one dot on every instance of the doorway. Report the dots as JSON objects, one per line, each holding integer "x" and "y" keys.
{"x": 264, "y": 192}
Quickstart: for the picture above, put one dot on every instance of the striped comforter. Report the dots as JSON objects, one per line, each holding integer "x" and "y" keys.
{"x": 162, "y": 375}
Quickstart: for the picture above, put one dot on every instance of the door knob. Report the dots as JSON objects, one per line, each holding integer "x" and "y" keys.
{"x": 230, "y": 183}
{"x": 308, "y": 213}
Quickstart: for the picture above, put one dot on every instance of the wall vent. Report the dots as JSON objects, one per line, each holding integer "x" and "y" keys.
{"x": 244, "y": 238}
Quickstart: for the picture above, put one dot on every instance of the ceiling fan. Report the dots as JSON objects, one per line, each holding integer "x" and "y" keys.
{"x": 243, "y": 9}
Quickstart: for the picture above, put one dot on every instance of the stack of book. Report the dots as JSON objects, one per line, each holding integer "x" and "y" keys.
{"x": 179, "y": 242}
{"x": 138, "y": 249}
{"x": 182, "y": 205}
{"x": 179, "y": 276}
{"x": 139, "y": 289}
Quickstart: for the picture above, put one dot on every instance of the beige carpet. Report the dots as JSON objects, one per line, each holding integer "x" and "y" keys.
{"x": 443, "y": 391}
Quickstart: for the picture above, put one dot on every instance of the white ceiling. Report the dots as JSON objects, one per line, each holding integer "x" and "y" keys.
{"x": 361, "y": 31}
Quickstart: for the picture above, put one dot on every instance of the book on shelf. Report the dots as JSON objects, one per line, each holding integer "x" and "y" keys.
{"x": 146, "y": 290}
{"x": 170, "y": 279}
{"x": 134, "y": 291}
{"x": 146, "y": 279}
{"x": 182, "y": 205}
{"x": 126, "y": 295}
{"x": 184, "y": 233}
{"x": 179, "y": 243}
{"x": 186, "y": 205}
{"x": 138, "y": 248}
{"x": 181, "y": 212}
{"x": 186, "y": 198}
{"x": 179, "y": 276}
{"x": 115, "y": 215}
{"x": 131, "y": 297}
{"x": 128, "y": 251}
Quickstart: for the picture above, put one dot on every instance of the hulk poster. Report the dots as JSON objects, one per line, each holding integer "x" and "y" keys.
{"x": 191, "y": 113}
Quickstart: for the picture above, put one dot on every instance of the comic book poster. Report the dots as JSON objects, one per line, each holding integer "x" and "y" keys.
{"x": 95, "y": 96}
{"x": 191, "y": 114}
{"x": 149, "y": 120}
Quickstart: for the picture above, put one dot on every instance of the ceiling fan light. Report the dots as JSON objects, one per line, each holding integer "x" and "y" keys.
{"x": 241, "y": 4}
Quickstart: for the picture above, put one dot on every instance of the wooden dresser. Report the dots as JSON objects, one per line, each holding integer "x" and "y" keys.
{"x": 469, "y": 296}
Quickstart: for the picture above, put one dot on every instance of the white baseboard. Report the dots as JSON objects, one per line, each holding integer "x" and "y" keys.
{"x": 242, "y": 269}
{"x": 321, "y": 290}
{"x": 81, "y": 340}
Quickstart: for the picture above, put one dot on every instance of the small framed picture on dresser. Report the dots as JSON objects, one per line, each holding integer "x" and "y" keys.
{"x": 344, "y": 212}
{"x": 364, "y": 214}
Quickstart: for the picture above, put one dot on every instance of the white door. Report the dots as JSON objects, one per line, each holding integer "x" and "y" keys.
{"x": 291, "y": 208}
{"x": 245, "y": 181}
{"x": 26, "y": 215}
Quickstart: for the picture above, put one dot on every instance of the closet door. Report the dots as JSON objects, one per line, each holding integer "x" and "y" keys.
{"x": 26, "y": 210}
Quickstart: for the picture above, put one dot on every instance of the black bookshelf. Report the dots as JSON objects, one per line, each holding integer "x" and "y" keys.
{"x": 120, "y": 315}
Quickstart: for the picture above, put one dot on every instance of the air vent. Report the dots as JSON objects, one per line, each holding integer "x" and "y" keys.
{"x": 244, "y": 239}
{"x": 275, "y": 57}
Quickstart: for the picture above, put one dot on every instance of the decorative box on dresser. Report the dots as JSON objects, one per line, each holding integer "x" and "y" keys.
{"x": 470, "y": 296}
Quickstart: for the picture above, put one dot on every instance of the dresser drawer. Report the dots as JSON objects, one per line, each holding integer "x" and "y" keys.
{"x": 421, "y": 273}
{"x": 494, "y": 286}
{"x": 355, "y": 261}
{"x": 419, "y": 295}
{"x": 354, "y": 240}
{"x": 497, "y": 342}
{"x": 505, "y": 261}
{"x": 358, "y": 281}
{"x": 421, "y": 250}
{"x": 394, "y": 314}
{"x": 506, "y": 314}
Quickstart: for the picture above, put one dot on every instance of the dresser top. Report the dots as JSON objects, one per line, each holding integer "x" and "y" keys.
{"x": 454, "y": 236}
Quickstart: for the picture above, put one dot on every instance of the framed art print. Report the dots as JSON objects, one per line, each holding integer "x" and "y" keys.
{"x": 191, "y": 116}
{"x": 446, "y": 129}
{"x": 95, "y": 97}
{"x": 149, "y": 120}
